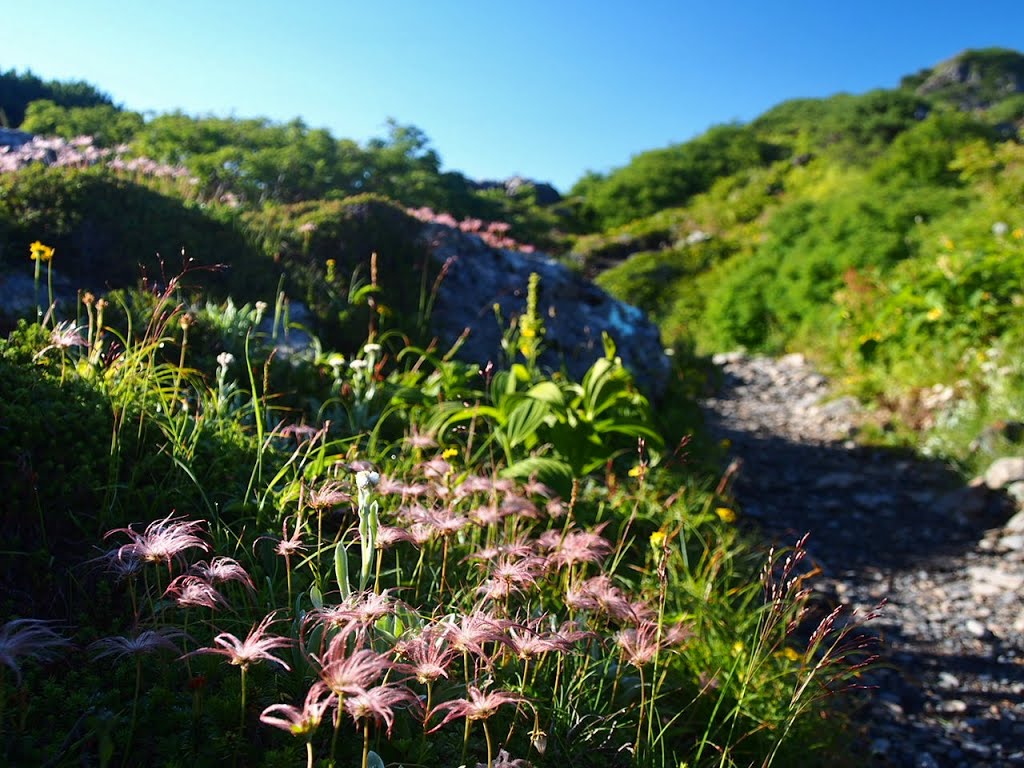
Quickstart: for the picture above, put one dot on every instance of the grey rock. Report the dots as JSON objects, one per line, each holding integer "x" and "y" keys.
{"x": 14, "y": 139}
{"x": 575, "y": 311}
{"x": 842, "y": 408}
{"x": 1003, "y": 472}
{"x": 969, "y": 501}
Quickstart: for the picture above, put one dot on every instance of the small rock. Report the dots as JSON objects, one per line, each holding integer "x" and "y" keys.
{"x": 988, "y": 582}
{"x": 975, "y": 628}
{"x": 955, "y": 706}
{"x": 1003, "y": 472}
{"x": 1015, "y": 524}
{"x": 948, "y": 680}
{"x": 1014, "y": 543}
{"x": 925, "y": 760}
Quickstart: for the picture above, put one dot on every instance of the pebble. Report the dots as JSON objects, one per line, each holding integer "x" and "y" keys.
{"x": 948, "y": 692}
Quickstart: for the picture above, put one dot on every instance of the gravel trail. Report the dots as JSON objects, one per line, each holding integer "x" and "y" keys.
{"x": 947, "y": 558}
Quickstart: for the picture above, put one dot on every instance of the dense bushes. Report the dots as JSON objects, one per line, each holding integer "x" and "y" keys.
{"x": 110, "y": 231}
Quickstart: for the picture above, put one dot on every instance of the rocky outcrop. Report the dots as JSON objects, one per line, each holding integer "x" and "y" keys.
{"x": 575, "y": 311}
{"x": 544, "y": 193}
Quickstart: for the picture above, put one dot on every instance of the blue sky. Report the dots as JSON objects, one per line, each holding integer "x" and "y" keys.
{"x": 544, "y": 89}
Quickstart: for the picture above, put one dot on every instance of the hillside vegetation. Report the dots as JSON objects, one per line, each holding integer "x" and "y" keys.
{"x": 394, "y": 539}
{"x": 882, "y": 233}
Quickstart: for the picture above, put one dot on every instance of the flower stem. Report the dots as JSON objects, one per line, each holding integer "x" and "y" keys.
{"x": 366, "y": 742}
{"x": 241, "y": 724}
{"x": 490, "y": 749}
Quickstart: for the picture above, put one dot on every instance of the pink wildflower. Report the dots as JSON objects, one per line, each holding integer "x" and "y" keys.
{"x": 301, "y": 722}
{"x": 255, "y": 648}
{"x": 162, "y": 541}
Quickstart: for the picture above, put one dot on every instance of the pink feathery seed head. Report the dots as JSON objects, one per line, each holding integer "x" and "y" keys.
{"x": 477, "y": 705}
{"x": 288, "y": 546}
{"x": 472, "y": 631}
{"x": 222, "y": 569}
{"x": 488, "y": 514}
{"x": 579, "y": 547}
{"x": 349, "y": 673}
{"x": 163, "y": 540}
{"x": 304, "y": 721}
{"x": 378, "y": 704}
{"x": 640, "y": 645}
{"x": 555, "y": 509}
{"x": 520, "y": 506}
{"x": 534, "y": 487}
{"x": 328, "y": 496}
{"x": 473, "y": 484}
{"x": 362, "y": 608}
{"x": 612, "y": 600}
{"x": 29, "y": 638}
{"x": 122, "y": 565}
{"x": 188, "y": 591}
{"x": 435, "y": 469}
{"x": 388, "y": 536}
{"x": 421, "y": 440}
{"x": 147, "y": 641}
{"x": 255, "y": 648}
{"x": 428, "y": 654}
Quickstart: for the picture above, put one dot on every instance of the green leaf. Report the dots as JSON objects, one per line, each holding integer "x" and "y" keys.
{"x": 340, "y": 572}
{"x": 547, "y": 392}
{"x": 316, "y": 596}
{"x": 552, "y": 472}
{"x": 524, "y": 420}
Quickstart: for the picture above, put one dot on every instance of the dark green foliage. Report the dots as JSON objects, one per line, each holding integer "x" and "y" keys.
{"x": 18, "y": 91}
{"x": 109, "y": 231}
{"x": 304, "y": 236}
{"x": 55, "y": 445}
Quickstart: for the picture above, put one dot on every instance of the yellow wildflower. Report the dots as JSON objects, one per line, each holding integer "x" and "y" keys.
{"x": 658, "y": 540}
{"x": 725, "y": 514}
{"x": 1018, "y": 233}
{"x": 637, "y": 471}
{"x": 790, "y": 654}
{"x": 449, "y": 453}
{"x": 935, "y": 313}
{"x": 40, "y": 252}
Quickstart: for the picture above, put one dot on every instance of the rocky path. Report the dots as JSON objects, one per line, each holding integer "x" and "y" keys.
{"x": 948, "y": 559}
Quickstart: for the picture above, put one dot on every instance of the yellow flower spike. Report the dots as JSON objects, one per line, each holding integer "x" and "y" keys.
{"x": 449, "y": 453}
{"x": 725, "y": 514}
{"x": 40, "y": 252}
{"x": 636, "y": 471}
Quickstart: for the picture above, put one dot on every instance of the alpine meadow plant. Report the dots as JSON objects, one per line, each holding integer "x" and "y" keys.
{"x": 526, "y": 565}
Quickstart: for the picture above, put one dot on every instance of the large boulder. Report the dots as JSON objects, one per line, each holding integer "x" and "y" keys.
{"x": 575, "y": 311}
